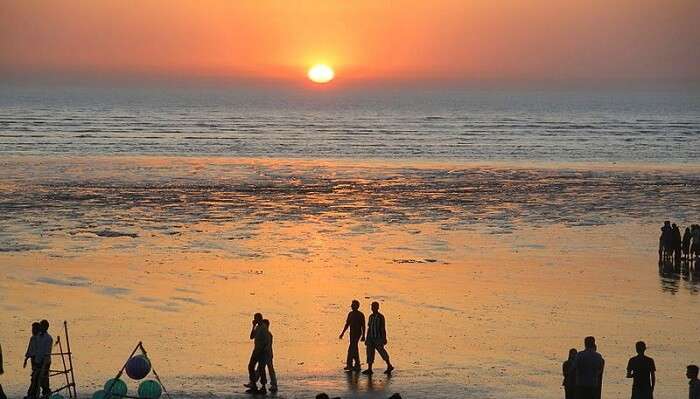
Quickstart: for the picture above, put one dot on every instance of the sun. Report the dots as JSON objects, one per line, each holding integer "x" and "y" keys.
{"x": 321, "y": 73}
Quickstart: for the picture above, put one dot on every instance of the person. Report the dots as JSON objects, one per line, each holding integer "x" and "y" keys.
{"x": 259, "y": 336}
{"x": 695, "y": 245}
{"x": 665, "y": 241}
{"x": 42, "y": 357}
{"x": 588, "y": 367}
{"x": 376, "y": 340}
{"x": 642, "y": 370}
{"x": 2, "y": 371}
{"x": 356, "y": 323}
{"x": 567, "y": 369}
{"x": 268, "y": 359}
{"x": 694, "y": 383}
{"x": 687, "y": 236}
{"x": 676, "y": 243}
{"x": 30, "y": 355}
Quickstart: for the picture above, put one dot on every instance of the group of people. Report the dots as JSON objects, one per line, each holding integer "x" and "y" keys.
{"x": 39, "y": 353}
{"x": 676, "y": 247}
{"x": 373, "y": 335}
{"x": 39, "y": 356}
{"x": 583, "y": 373}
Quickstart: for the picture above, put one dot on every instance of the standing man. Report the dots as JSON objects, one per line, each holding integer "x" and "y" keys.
{"x": 694, "y": 383}
{"x": 2, "y": 371}
{"x": 376, "y": 339}
{"x": 43, "y": 357}
{"x": 356, "y": 323}
{"x": 643, "y": 370}
{"x": 588, "y": 367}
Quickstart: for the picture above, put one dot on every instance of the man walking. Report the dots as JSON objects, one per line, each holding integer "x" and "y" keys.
{"x": 643, "y": 370}
{"x": 356, "y": 323}
{"x": 588, "y": 367}
{"x": 376, "y": 339}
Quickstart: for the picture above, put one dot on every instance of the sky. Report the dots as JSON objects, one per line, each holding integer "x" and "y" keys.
{"x": 363, "y": 40}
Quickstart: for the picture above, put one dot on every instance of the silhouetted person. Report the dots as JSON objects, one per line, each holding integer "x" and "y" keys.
{"x": 695, "y": 244}
{"x": 30, "y": 355}
{"x": 258, "y": 334}
{"x": 567, "y": 371}
{"x": 266, "y": 360}
{"x": 588, "y": 367}
{"x": 676, "y": 243}
{"x": 356, "y": 323}
{"x": 2, "y": 371}
{"x": 685, "y": 245}
{"x": 43, "y": 358}
{"x": 694, "y": 383}
{"x": 642, "y": 370}
{"x": 665, "y": 241}
{"x": 376, "y": 339}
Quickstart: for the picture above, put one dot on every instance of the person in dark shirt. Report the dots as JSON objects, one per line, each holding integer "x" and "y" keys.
{"x": 258, "y": 333}
{"x": 567, "y": 370}
{"x": 694, "y": 383}
{"x": 642, "y": 370}
{"x": 588, "y": 367}
{"x": 356, "y": 323}
{"x": 2, "y": 371}
{"x": 376, "y": 339}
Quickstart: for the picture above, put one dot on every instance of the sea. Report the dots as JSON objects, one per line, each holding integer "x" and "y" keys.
{"x": 496, "y": 227}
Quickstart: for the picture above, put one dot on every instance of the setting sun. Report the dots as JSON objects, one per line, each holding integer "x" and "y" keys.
{"x": 321, "y": 73}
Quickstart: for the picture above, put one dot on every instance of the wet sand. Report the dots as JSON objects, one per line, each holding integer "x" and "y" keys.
{"x": 486, "y": 275}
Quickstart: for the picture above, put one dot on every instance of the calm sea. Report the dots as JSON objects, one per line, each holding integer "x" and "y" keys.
{"x": 453, "y": 125}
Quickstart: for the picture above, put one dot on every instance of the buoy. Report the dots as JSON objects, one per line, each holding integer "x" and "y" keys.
{"x": 138, "y": 367}
{"x": 118, "y": 388}
{"x": 150, "y": 389}
{"x": 99, "y": 394}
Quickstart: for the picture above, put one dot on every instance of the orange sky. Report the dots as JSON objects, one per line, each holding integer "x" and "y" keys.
{"x": 363, "y": 39}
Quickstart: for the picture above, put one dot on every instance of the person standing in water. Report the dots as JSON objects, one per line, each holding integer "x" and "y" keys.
{"x": 643, "y": 370}
{"x": 376, "y": 340}
{"x": 356, "y": 323}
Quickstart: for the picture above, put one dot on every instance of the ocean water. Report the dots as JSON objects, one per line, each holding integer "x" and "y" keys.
{"x": 496, "y": 229}
{"x": 459, "y": 125}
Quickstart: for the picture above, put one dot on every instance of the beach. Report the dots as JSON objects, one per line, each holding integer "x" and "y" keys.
{"x": 486, "y": 274}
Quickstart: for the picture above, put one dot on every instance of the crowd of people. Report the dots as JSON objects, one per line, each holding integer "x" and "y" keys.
{"x": 583, "y": 373}
{"x": 677, "y": 248}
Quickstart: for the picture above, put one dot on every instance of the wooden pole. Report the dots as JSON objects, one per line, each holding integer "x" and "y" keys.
{"x": 74, "y": 394}
{"x": 65, "y": 368}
